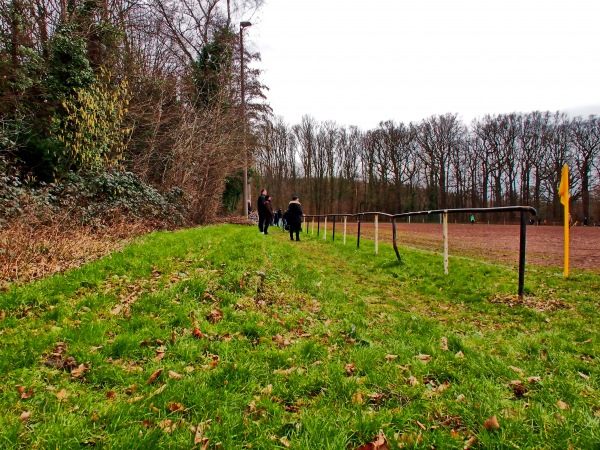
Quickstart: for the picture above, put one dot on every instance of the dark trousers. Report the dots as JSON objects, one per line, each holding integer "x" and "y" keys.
{"x": 261, "y": 222}
{"x": 266, "y": 226}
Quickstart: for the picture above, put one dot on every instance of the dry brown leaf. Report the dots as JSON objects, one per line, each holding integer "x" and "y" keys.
{"x": 422, "y": 357}
{"x": 516, "y": 369}
{"x": 154, "y": 376}
{"x": 160, "y": 354}
{"x": 199, "y": 438}
{"x": 597, "y": 413}
{"x": 491, "y": 423}
{"x": 459, "y": 354}
{"x": 442, "y": 387}
{"x": 23, "y": 393}
{"x": 116, "y": 310}
{"x": 470, "y": 443}
{"x": 391, "y": 357}
{"x": 562, "y": 405}
{"x": 62, "y": 395}
{"x": 533, "y": 379}
{"x": 175, "y": 407}
{"x": 214, "y": 316}
{"x": 197, "y": 333}
{"x": 357, "y": 398}
{"x": 286, "y": 443}
{"x": 160, "y": 389}
{"x": 444, "y": 344}
{"x": 380, "y": 443}
{"x": 111, "y": 395}
{"x": 584, "y": 376}
{"x": 24, "y": 417}
{"x": 350, "y": 368}
{"x": 461, "y": 398}
{"x": 267, "y": 390}
{"x": 413, "y": 381}
{"x": 79, "y": 371}
{"x": 173, "y": 337}
{"x": 175, "y": 375}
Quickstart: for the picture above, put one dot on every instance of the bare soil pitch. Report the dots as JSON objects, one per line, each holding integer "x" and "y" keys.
{"x": 544, "y": 245}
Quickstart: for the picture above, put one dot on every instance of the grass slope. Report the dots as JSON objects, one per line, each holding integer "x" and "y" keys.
{"x": 223, "y": 337}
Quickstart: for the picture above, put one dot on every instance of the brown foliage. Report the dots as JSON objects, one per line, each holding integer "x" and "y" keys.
{"x": 34, "y": 246}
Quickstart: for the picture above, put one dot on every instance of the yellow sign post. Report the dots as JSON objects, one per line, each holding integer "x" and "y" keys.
{"x": 563, "y": 192}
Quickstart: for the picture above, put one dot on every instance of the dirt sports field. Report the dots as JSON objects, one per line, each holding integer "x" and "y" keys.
{"x": 494, "y": 242}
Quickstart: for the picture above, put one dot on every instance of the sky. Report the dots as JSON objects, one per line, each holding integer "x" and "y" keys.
{"x": 361, "y": 62}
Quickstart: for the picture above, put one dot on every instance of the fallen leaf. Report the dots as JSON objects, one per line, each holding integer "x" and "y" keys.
{"x": 116, "y": 310}
{"x": 597, "y": 413}
{"x": 461, "y": 398}
{"x": 584, "y": 376}
{"x": 154, "y": 376}
{"x": 175, "y": 407}
{"x": 421, "y": 426}
{"x": 268, "y": 389}
{"x": 492, "y": 423}
{"x": 423, "y": 357}
{"x": 380, "y": 443}
{"x": 197, "y": 333}
{"x": 23, "y": 393}
{"x": 444, "y": 344}
{"x": 459, "y": 354}
{"x": 350, "y": 368}
{"x": 516, "y": 369}
{"x": 562, "y": 405}
{"x": 160, "y": 354}
{"x": 175, "y": 375}
{"x": 413, "y": 381}
{"x": 24, "y": 417}
{"x": 111, "y": 395}
{"x": 79, "y": 371}
{"x": 199, "y": 438}
{"x": 533, "y": 379}
{"x": 173, "y": 337}
{"x": 469, "y": 443}
{"x": 214, "y": 316}
{"x": 391, "y": 357}
{"x": 160, "y": 389}
{"x": 62, "y": 395}
{"x": 286, "y": 443}
{"x": 357, "y": 398}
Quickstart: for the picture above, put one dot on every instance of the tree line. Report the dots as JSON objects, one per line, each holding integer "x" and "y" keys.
{"x": 439, "y": 162}
{"x": 152, "y": 87}
{"x": 144, "y": 86}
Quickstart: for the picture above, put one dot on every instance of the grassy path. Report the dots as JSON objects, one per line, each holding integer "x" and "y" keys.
{"x": 223, "y": 337}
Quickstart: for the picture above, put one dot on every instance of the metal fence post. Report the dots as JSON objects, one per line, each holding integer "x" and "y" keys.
{"x": 445, "y": 228}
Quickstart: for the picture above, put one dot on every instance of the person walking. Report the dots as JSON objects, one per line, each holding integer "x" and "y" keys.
{"x": 294, "y": 217}
{"x": 268, "y": 214}
{"x": 261, "y": 209}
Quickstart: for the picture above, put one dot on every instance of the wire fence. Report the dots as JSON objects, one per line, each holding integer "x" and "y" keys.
{"x": 525, "y": 212}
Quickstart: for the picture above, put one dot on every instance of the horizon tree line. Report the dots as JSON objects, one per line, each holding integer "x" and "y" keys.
{"x": 436, "y": 163}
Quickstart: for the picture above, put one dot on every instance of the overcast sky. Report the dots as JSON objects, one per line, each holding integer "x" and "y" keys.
{"x": 360, "y": 62}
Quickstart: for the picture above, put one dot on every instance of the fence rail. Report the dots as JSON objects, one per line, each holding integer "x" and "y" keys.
{"x": 525, "y": 211}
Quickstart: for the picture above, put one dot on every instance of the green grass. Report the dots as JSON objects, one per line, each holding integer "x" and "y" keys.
{"x": 315, "y": 350}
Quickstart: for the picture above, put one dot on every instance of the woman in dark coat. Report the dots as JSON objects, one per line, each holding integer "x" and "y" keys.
{"x": 268, "y": 214}
{"x": 294, "y": 217}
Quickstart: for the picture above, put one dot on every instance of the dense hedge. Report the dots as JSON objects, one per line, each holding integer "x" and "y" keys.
{"x": 90, "y": 199}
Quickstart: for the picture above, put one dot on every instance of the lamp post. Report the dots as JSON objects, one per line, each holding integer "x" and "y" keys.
{"x": 243, "y": 99}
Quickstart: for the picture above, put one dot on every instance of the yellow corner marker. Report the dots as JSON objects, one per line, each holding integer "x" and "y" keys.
{"x": 563, "y": 192}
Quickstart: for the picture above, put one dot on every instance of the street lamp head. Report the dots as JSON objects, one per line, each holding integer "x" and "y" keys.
{"x": 245, "y": 24}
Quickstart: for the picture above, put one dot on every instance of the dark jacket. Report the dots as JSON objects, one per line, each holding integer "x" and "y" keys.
{"x": 294, "y": 215}
{"x": 260, "y": 204}
{"x": 268, "y": 210}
